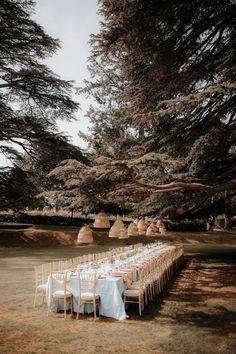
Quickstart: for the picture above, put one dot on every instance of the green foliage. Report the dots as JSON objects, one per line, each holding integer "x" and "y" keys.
{"x": 18, "y": 189}
{"x": 163, "y": 137}
{"x": 163, "y": 78}
{"x": 32, "y": 97}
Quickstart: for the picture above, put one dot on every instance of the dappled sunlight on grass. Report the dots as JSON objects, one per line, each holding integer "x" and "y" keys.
{"x": 194, "y": 314}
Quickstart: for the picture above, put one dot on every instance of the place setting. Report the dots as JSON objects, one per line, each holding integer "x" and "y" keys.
{"x": 110, "y": 280}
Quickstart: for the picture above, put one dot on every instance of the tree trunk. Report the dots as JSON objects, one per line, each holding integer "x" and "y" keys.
{"x": 227, "y": 224}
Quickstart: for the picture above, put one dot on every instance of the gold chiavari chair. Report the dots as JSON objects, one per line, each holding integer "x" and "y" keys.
{"x": 137, "y": 295}
{"x": 59, "y": 291}
{"x": 87, "y": 291}
{"x": 40, "y": 283}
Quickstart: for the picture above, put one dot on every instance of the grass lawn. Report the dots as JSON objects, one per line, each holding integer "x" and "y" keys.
{"x": 194, "y": 314}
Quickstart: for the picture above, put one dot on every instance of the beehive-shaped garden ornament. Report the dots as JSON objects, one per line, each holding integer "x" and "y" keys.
{"x": 123, "y": 233}
{"x": 159, "y": 223}
{"x": 152, "y": 230}
{"x": 132, "y": 229}
{"x": 115, "y": 230}
{"x": 142, "y": 227}
{"x": 146, "y": 221}
{"x": 119, "y": 222}
{"x": 102, "y": 220}
{"x": 162, "y": 230}
{"x": 161, "y": 226}
{"x": 85, "y": 235}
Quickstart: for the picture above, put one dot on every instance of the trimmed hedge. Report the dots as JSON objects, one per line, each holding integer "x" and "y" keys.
{"x": 45, "y": 220}
{"x": 186, "y": 226}
{"x": 78, "y": 221}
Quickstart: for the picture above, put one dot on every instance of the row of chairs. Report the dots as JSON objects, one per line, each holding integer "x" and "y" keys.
{"x": 153, "y": 274}
{"x": 86, "y": 291}
{"x": 43, "y": 271}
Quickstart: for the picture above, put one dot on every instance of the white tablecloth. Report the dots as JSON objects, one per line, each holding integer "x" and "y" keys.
{"x": 109, "y": 289}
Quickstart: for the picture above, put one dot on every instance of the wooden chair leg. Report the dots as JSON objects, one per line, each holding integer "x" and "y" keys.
{"x": 140, "y": 305}
{"x": 71, "y": 305}
{"x": 35, "y": 296}
{"x": 94, "y": 309}
{"x": 77, "y": 316}
{"x": 43, "y": 298}
{"x": 64, "y": 307}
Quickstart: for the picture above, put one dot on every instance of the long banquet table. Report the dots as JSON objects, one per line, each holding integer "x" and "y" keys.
{"x": 110, "y": 290}
{"x": 109, "y": 287}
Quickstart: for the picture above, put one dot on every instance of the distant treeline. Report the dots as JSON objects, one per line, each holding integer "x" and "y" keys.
{"x": 45, "y": 219}
{"x": 79, "y": 221}
{"x": 49, "y": 218}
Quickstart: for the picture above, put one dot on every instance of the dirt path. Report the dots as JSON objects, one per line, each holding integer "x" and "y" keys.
{"x": 195, "y": 313}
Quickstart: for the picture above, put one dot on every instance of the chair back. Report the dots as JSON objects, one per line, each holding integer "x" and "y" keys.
{"x": 59, "y": 281}
{"x": 39, "y": 278}
{"x": 55, "y": 266}
{"x": 47, "y": 269}
{"x": 87, "y": 282}
{"x": 142, "y": 278}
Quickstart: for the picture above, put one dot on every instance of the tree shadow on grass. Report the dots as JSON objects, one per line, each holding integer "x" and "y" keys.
{"x": 222, "y": 322}
{"x": 200, "y": 294}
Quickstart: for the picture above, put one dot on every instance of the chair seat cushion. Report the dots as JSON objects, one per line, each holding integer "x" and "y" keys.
{"x": 60, "y": 293}
{"x": 42, "y": 287}
{"x": 131, "y": 292}
{"x": 89, "y": 296}
{"x": 134, "y": 287}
